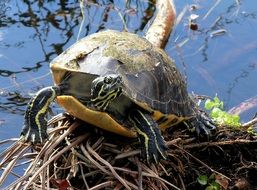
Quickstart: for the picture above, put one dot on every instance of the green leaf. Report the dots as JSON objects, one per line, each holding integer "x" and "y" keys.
{"x": 216, "y": 100}
{"x": 208, "y": 104}
{"x": 219, "y": 116}
{"x": 218, "y": 103}
{"x": 212, "y": 177}
{"x": 215, "y": 185}
{"x": 209, "y": 188}
{"x": 252, "y": 130}
{"x": 236, "y": 119}
{"x": 202, "y": 179}
{"x": 216, "y": 113}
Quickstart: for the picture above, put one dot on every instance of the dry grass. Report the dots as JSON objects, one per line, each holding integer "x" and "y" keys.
{"x": 76, "y": 156}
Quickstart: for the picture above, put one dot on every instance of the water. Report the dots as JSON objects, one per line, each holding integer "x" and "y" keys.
{"x": 33, "y": 33}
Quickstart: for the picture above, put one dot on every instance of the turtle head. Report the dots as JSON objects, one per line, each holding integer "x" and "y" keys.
{"x": 105, "y": 89}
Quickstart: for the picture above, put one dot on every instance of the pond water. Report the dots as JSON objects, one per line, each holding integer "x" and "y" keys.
{"x": 33, "y": 32}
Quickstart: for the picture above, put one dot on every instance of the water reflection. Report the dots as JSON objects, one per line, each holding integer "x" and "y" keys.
{"x": 214, "y": 64}
{"x": 33, "y": 32}
{"x": 14, "y": 100}
{"x": 3, "y": 9}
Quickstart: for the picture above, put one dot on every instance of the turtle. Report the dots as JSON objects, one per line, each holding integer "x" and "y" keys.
{"x": 122, "y": 83}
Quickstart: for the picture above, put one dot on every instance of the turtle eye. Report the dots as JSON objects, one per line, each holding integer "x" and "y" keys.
{"x": 108, "y": 80}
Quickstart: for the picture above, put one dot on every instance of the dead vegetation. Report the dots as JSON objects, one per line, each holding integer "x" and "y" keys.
{"x": 76, "y": 156}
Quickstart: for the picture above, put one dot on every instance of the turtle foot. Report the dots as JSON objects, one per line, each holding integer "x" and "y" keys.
{"x": 154, "y": 148}
{"x": 202, "y": 125}
{"x": 152, "y": 143}
{"x": 33, "y": 136}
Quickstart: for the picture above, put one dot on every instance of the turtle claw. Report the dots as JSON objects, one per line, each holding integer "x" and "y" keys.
{"x": 152, "y": 143}
{"x": 33, "y": 136}
{"x": 154, "y": 148}
{"x": 35, "y": 124}
{"x": 202, "y": 125}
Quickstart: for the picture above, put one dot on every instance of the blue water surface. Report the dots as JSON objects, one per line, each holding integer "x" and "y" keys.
{"x": 32, "y": 33}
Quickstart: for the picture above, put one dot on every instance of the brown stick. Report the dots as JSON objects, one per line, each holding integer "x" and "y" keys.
{"x": 202, "y": 163}
{"x": 250, "y": 123}
{"x": 159, "y": 32}
{"x": 220, "y": 143}
{"x": 56, "y": 156}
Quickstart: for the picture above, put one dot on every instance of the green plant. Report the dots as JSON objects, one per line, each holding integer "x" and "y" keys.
{"x": 252, "y": 131}
{"x": 208, "y": 182}
{"x": 220, "y": 116}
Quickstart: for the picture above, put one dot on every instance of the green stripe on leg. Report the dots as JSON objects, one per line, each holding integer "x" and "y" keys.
{"x": 149, "y": 134}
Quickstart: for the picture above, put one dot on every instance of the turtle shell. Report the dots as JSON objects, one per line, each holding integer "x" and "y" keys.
{"x": 150, "y": 77}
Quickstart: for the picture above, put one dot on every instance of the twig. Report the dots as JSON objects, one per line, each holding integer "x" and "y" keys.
{"x": 102, "y": 185}
{"x": 205, "y": 165}
{"x": 128, "y": 154}
{"x": 182, "y": 182}
{"x": 8, "y": 140}
{"x": 93, "y": 161}
{"x": 10, "y": 152}
{"x": 150, "y": 173}
{"x": 81, "y": 5}
{"x": 174, "y": 141}
{"x": 122, "y": 19}
{"x": 140, "y": 177}
{"x": 220, "y": 143}
{"x": 14, "y": 184}
{"x": 10, "y": 166}
{"x": 116, "y": 175}
{"x": 83, "y": 176}
{"x": 211, "y": 9}
{"x": 77, "y": 141}
{"x": 250, "y": 123}
{"x": 50, "y": 145}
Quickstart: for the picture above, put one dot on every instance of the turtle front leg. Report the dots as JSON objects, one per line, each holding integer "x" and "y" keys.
{"x": 153, "y": 145}
{"x": 202, "y": 125}
{"x": 35, "y": 124}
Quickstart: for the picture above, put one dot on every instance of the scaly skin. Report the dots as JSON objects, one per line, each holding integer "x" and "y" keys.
{"x": 128, "y": 54}
{"x": 35, "y": 124}
{"x": 152, "y": 143}
{"x": 106, "y": 89}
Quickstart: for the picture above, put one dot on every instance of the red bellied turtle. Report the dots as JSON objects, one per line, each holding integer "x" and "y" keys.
{"x": 122, "y": 83}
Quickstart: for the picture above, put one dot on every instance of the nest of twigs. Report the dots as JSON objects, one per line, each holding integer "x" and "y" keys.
{"x": 78, "y": 156}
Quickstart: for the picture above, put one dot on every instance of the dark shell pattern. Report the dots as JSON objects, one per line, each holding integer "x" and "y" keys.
{"x": 149, "y": 75}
